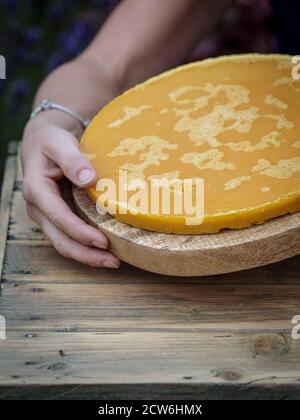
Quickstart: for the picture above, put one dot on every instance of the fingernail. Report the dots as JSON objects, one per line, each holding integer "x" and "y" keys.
{"x": 99, "y": 244}
{"x": 85, "y": 176}
{"x": 110, "y": 264}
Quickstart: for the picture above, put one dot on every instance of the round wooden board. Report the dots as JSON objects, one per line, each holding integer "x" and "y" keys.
{"x": 195, "y": 255}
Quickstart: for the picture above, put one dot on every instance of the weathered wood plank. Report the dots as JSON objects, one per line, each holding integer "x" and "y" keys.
{"x": 152, "y": 357}
{"x": 20, "y": 226}
{"x": 5, "y": 203}
{"x": 40, "y": 262}
{"x": 31, "y": 306}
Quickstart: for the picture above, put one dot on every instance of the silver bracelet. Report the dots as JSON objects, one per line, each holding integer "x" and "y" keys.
{"x": 45, "y": 105}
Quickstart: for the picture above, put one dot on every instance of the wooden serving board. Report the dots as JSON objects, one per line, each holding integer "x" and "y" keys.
{"x": 195, "y": 255}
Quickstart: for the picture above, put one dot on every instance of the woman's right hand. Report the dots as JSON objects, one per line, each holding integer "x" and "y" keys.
{"x": 50, "y": 153}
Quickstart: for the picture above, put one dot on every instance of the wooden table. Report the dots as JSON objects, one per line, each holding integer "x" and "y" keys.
{"x": 78, "y": 332}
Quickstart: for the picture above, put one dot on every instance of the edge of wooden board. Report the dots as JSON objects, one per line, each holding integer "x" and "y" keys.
{"x": 196, "y": 255}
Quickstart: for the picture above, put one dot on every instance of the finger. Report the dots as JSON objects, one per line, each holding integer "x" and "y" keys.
{"x": 64, "y": 151}
{"x": 68, "y": 248}
{"x": 44, "y": 194}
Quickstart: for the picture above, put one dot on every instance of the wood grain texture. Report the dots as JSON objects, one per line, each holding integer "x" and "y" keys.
{"x": 6, "y": 198}
{"x": 196, "y": 255}
{"x": 76, "y": 332}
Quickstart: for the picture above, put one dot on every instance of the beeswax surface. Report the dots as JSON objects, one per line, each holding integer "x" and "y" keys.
{"x": 232, "y": 122}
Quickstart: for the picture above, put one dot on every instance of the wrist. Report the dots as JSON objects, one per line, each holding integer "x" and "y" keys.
{"x": 55, "y": 118}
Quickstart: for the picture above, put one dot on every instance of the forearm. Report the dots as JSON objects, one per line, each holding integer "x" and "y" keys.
{"x": 145, "y": 37}
{"x": 142, "y": 38}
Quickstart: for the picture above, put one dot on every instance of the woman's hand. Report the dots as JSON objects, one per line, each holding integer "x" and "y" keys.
{"x": 48, "y": 154}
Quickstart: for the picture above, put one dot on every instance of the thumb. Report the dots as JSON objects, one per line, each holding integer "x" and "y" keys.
{"x": 64, "y": 151}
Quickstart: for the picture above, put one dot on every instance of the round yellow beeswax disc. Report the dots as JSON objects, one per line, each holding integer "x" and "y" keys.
{"x": 231, "y": 123}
